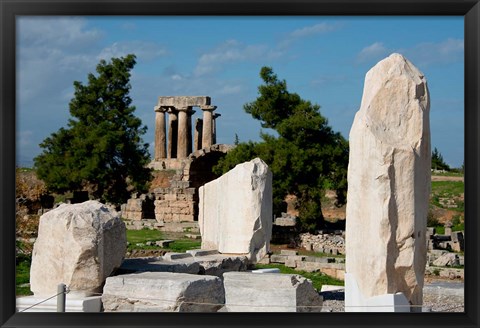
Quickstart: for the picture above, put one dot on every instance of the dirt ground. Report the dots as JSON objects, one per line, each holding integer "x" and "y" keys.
{"x": 442, "y": 178}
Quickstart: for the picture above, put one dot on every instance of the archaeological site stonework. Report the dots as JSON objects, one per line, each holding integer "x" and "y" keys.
{"x": 235, "y": 215}
{"x": 183, "y": 162}
{"x": 388, "y": 189}
{"x": 79, "y": 245}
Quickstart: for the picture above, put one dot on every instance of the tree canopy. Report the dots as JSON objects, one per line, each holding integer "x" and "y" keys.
{"x": 101, "y": 150}
{"x": 306, "y": 158}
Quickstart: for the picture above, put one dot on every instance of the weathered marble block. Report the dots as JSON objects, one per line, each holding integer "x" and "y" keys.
{"x": 235, "y": 211}
{"x": 389, "y": 185}
{"x": 163, "y": 292}
{"x": 270, "y": 292}
{"x": 79, "y": 245}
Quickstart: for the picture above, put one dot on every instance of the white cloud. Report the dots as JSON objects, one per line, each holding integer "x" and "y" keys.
{"x": 144, "y": 50}
{"x": 312, "y": 30}
{"x": 428, "y": 53}
{"x": 422, "y": 54}
{"x": 176, "y": 77}
{"x": 374, "y": 51}
{"x": 24, "y": 138}
{"x": 65, "y": 32}
{"x": 230, "y": 89}
{"x": 306, "y": 31}
{"x": 49, "y": 51}
{"x": 231, "y": 51}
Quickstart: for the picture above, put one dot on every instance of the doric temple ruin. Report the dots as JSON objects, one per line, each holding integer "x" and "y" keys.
{"x": 180, "y": 113}
{"x": 184, "y": 154}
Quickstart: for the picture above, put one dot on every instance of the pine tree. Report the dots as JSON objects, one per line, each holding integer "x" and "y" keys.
{"x": 437, "y": 161}
{"x": 307, "y": 156}
{"x": 102, "y": 150}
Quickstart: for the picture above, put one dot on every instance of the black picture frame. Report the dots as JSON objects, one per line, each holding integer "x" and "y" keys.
{"x": 9, "y": 9}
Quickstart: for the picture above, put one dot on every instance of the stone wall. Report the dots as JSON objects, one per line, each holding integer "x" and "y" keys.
{"x": 175, "y": 204}
{"x": 173, "y": 200}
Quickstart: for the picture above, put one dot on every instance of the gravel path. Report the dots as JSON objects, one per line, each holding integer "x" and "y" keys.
{"x": 436, "y": 300}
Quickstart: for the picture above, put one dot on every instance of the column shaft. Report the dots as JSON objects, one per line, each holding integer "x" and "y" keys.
{"x": 182, "y": 144}
{"x": 207, "y": 126}
{"x": 198, "y": 134}
{"x": 214, "y": 132}
{"x": 172, "y": 133}
{"x": 160, "y": 133}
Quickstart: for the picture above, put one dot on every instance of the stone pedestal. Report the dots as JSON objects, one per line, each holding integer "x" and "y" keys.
{"x": 356, "y": 302}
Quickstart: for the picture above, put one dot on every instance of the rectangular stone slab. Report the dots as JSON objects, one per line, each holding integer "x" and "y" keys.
{"x": 270, "y": 292}
{"x": 163, "y": 292}
{"x": 184, "y": 101}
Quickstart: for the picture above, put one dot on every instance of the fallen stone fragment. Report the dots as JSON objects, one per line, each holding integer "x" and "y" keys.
{"x": 270, "y": 292}
{"x": 78, "y": 245}
{"x": 163, "y": 292}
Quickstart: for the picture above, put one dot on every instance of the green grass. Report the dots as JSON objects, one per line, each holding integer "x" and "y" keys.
{"x": 318, "y": 279}
{"x": 180, "y": 246}
{"x": 448, "y": 189}
{"x": 449, "y": 174}
{"x": 440, "y": 230}
{"x": 144, "y": 235}
{"x": 22, "y": 275}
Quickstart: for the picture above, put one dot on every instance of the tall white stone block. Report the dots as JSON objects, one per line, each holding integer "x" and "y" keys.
{"x": 235, "y": 211}
{"x": 389, "y": 185}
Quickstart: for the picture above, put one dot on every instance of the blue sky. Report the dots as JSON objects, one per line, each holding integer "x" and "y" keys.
{"x": 323, "y": 59}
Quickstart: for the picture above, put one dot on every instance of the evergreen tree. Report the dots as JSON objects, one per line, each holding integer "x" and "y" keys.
{"x": 102, "y": 150}
{"x": 306, "y": 158}
{"x": 437, "y": 161}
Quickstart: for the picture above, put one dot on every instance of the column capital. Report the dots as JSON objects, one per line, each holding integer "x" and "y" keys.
{"x": 187, "y": 109}
{"x": 172, "y": 110}
{"x": 161, "y": 109}
{"x": 208, "y": 108}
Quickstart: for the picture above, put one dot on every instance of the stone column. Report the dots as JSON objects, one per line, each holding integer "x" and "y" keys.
{"x": 214, "y": 136}
{"x": 189, "y": 131}
{"x": 182, "y": 144}
{"x": 172, "y": 132}
{"x": 160, "y": 136}
{"x": 197, "y": 143}
{"x": 207, "y": 125}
